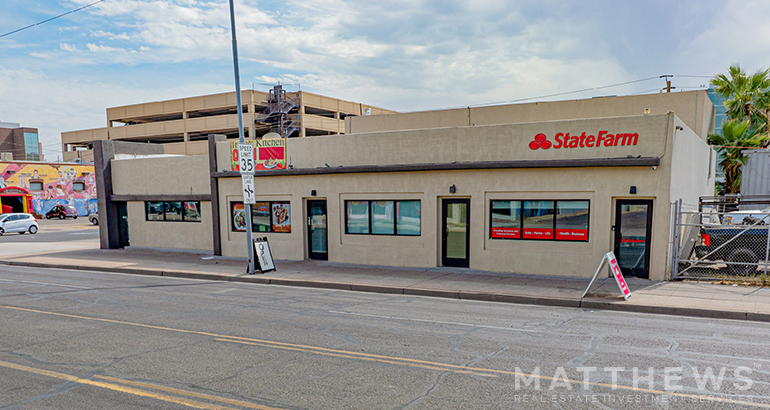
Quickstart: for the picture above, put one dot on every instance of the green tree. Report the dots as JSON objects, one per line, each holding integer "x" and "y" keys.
{"x": 736, "y": 136}
{"x": 746, "y": 96}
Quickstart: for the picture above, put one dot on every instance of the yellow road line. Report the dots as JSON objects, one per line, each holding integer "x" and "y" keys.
{"x": 394, "y": 360}
{"x": 187, "y": 393}
{"x": 115, "y": 387}
{"x": 382, "y": 359}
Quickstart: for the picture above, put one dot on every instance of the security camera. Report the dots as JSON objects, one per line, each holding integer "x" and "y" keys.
{"x": 654, "y": 167}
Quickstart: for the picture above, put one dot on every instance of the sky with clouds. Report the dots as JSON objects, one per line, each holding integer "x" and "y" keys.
{"x": 405, "y": 55}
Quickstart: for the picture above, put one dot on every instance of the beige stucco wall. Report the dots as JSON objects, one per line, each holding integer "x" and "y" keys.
{"x": 170, "y": 234}
{"x": 682, "y": 156}
{"x": 693, "y": 107}
{"x": 602, "y": 186}
{"x": 180, "y": 175}
{"x": 468, "y": 144}
{"x": 693, "y": 167}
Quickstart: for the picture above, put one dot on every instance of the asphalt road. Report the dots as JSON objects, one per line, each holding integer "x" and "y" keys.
{"x": 56, "y": 231}
{"x": 90, "y": 340}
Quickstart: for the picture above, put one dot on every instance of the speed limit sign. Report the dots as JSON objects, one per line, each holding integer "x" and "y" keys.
{"x": 246, "y": 158}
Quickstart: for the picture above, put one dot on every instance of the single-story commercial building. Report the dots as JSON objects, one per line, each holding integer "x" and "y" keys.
{"x": 548, "y": 197}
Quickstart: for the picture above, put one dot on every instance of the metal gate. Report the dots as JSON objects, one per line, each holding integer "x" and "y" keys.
{"x": 716, "y": 245}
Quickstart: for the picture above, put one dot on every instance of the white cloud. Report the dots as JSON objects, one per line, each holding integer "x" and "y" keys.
{"x": 111, "y": 36}
{"x": 739, "y": 33}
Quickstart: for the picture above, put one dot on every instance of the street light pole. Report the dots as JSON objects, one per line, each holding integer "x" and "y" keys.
{"x": 247, "y": 207}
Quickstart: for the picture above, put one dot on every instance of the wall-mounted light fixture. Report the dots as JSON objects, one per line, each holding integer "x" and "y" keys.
{"x": 646, "y": 110}
{"x": 632, "y": 190}
{"x": 679, "y": 128}
{"x": 313, "y": 193}
{"x": 452, "y": 189}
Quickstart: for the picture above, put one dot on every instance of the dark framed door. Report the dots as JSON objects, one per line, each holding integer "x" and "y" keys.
{"x": 317, "y": 230}
{"x": 455, "y": 232}
{"x": 633, "y": 229}
{"x": 122, "y": 224}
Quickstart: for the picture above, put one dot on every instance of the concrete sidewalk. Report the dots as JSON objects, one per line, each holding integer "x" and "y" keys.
{"x": 675, "y": 298}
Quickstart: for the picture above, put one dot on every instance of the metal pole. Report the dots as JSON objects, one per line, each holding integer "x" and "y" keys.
{"x": 767, "y": 256}
{"x": 247, "y": 207}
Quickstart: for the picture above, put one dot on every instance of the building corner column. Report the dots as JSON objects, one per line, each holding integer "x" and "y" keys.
{"x": 214, "y": 184}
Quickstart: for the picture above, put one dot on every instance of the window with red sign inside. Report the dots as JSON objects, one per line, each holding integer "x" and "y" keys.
{"x": 540, "y": 220}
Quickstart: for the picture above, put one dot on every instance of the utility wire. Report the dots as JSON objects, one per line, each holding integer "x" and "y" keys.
{"x": 52, "y": 18}
{"x": 568, "y": 92}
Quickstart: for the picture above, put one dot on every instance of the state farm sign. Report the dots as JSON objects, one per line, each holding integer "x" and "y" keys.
{"x": 602, "y": 139}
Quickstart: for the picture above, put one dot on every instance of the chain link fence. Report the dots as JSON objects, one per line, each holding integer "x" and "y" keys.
{"x": 712, "y": 244}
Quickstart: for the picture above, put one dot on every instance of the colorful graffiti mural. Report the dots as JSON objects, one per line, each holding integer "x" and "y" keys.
{"x": 52, "y": 184}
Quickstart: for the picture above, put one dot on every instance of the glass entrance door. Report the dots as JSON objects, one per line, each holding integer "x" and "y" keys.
{"x": 455, "y": 232}
{"x": 633, "y": 225}
{"x": 316, "y": 222}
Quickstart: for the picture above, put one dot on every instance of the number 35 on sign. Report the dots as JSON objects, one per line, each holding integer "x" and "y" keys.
{"x": 246, "y": 158}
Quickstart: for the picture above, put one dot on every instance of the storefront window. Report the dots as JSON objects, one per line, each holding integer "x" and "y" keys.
{"x": 387, "y": 217}
{"x": 383, "y": 219}
{"x": 538, "y": 220}
{"x": 265, "y": 217}
{"x": 357, "y": 217}
{"x": 506, "y": 220}
{"x": 192, "y": 211}
{"x": 544, "y": 220}
{"x": 260, "y": 217}
{"x": 154, "y": 211}
{"x": 281, "y": 217}
{"x": 408, "y": 217}
{"x": 172, "y": 211}
{"x": 572, "y": 220}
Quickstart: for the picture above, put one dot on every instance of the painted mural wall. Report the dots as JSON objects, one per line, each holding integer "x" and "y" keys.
{"x": 53, "y": 184}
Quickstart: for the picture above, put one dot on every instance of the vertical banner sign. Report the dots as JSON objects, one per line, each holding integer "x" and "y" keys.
{"x": 263, "y": 255}
{"x": 618, "y": 275}
{"x": 247, "y": 181}
{"x": 267, "y": 154}
{"x": 612, "y": 264}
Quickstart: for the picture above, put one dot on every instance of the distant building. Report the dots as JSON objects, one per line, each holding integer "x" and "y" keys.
{"x": 720, "y": 115}
{"x": 36, "y": 187}
{"x": 183, "y": 125}
{"x": 19, "y": 143}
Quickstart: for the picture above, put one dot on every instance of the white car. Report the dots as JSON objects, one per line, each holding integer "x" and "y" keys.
{"x": 21, "y": 223}
{"x": 748, "y": 217}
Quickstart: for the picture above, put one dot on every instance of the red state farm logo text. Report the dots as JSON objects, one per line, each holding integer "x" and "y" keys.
{"x": 604, "y": 138}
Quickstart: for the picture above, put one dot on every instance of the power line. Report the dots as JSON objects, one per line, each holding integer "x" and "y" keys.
{"x": 568, "y": 92}
{"x": 52, "y": 18}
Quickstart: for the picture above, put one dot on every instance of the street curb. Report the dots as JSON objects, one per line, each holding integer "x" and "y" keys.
{"x": 448, "y": 294}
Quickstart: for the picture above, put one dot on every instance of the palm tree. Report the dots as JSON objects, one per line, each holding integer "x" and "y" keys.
{"x": 746, "y": 96}
{"x": 736, "y": 136}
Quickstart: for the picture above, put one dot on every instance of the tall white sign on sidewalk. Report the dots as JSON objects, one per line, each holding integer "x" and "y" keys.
{"x": 612, "y": 263}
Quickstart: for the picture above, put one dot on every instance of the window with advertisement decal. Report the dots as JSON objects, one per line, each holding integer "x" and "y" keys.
{"x": 537, "y": 220}
{"x": 554, "y": 220}
{"x": 506, "y": 220}
{"x": 572, "y": 220}
{"x": 266, "y": 216}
